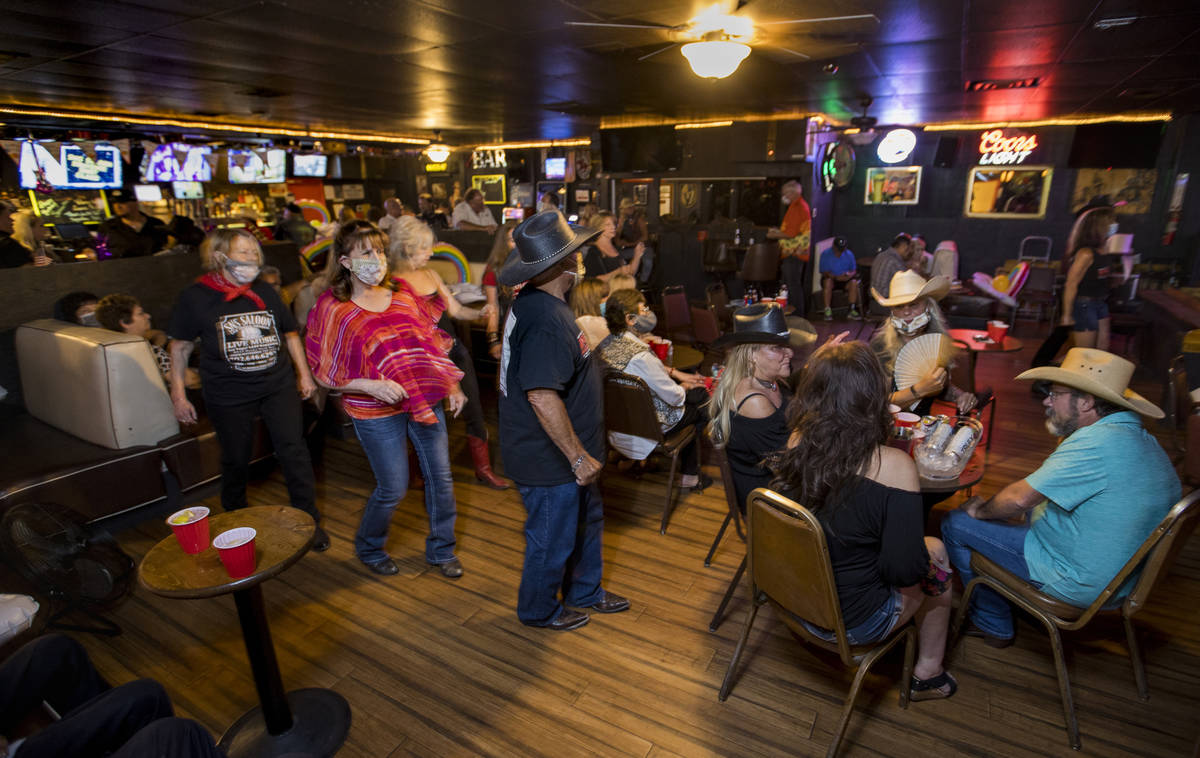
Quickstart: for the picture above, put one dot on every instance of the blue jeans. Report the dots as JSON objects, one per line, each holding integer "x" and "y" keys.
{"x": 877, "y": 626}
{"x": 1088, "y": 314}
{"x": 1000, "y": 541}
{"x": 385, "y": 442}
{"x": 564, "y": 525}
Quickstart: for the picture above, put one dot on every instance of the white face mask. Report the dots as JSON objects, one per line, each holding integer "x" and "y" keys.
{"x": 370, "y": 271}
{"x": 911, "y": 327}
{"x": 242, "y": 273}
{"x": 1112, "y": 228}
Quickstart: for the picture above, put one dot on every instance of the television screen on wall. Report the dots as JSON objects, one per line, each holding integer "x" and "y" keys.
{"x": 71, "y": 167}
{"x": 309, "y": 165}
{"x": 178, "y": 162}
{"x": 258, "y": 166}
{"x": 651, "y": 149}
{"x": 1116, "y": 145}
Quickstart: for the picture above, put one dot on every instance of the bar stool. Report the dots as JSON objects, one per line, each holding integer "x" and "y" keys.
{"x": 762, "y": 263}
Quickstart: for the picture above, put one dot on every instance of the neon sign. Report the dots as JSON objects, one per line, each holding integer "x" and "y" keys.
{"x": 896, "y": 145}
{"x": 995, "y": 149}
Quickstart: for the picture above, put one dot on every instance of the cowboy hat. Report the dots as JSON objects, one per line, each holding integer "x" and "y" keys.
{"x": 1097, "y": 373}
{"x": 542, "y": 240}
{"x": 764, "y": 323}
{"x": 907, "y": 286}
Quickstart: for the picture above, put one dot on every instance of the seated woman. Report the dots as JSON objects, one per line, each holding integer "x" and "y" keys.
{"x": 123, "y": 313}
{"x": 866, "y": 496}
{"x": 587, "y": 300}
{"x": 913, "y": 302}
{"x": 749, "y": 406}
{"x": 679, "y": 397}
{"x": 602, "y": 259}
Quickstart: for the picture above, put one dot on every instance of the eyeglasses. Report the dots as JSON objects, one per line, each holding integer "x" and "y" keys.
{"x": 1055, "y": 393}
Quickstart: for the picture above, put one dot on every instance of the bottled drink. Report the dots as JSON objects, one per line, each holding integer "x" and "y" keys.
{"x": 737, "y": 237}
{"x": 961, "y": 444}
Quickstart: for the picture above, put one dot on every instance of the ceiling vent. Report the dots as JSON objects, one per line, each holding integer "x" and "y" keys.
{"x": 987, "y": 85}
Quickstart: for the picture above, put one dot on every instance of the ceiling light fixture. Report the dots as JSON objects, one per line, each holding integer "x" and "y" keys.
{"x": 715, "y": 58}
{"x": 896, "y": 145}
{"x": 435, "y": 151}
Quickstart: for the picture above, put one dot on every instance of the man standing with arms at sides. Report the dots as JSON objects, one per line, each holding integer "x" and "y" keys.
{"x": 552, "y": 428}
{"x": 795, "y": 236}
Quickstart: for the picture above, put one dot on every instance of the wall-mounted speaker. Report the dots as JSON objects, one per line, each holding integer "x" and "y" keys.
{"x": 947, "y": 151}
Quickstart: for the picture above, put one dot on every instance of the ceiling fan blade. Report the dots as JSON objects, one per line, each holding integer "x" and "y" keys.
{"x": 793, "y": 52}
{"x": 858, "y": 17}
{"x": 647, "y": 56}
{"x": 660, "y": 27}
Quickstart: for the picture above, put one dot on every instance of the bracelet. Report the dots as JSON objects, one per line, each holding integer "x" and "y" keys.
{"x": 913, "y": 389}
{"x": 578, "y": 462}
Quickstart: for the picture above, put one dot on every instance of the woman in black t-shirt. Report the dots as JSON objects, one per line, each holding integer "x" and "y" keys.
{"x": 602, "y": 259}
{"x": 252, "y": 364}
{"x": 867, "y": 497}
{"x": 1084, "y": 306}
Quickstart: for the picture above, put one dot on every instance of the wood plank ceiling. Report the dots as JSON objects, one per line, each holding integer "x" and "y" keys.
{"x": 484, "y": 71}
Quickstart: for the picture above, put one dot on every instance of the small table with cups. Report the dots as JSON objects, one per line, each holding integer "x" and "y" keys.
{"x": 305, "y": 722}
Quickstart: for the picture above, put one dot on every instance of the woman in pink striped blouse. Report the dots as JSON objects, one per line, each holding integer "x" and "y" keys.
{"x": 375, "y": 345}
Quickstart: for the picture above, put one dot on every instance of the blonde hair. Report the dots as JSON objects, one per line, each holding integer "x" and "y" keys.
{"x": 409, "y": 234}
{"x": 587, "y": 296}
{"x": 723, "y": 403}
{"x": 219, "y": 242}
{"x": 23, "y": 222}
{"x": 621, "y": 282}
{"x": 597, "y": 221}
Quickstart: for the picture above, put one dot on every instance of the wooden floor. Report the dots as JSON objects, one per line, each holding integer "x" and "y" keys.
{"x": 433, "y": 667}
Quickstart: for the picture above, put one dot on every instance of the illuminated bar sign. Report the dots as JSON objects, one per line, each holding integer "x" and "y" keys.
{"x": 435, "y": 167}
{"x": 998, "y": 149}
{"x": 488, "y": 159}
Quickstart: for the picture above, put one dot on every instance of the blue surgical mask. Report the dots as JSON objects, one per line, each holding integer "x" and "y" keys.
{"x": 603, "y": 307}
{"x": 644, "y": 323}
{"x": 1112, "y": 228}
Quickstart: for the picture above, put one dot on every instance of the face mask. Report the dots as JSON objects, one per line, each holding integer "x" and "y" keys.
{"x": 89, "y": 319}
{"x": 644, "y": 323}
{"x": 603, "y": 307}
{"x": 369, "y": 271}
{"x": 911, "y": 327}
{"x": 1112, "y": 228}
{"x": 242, "y": 273}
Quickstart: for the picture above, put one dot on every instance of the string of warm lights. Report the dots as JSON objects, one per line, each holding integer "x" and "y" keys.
{"x": 216, "y": 126}
{"x": 573, "y": 142}
{"x": 704, "y": 124}
{"x": 1065, "y": 121}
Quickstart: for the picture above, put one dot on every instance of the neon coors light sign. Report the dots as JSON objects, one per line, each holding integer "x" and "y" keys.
{"x": 995, "y": 149}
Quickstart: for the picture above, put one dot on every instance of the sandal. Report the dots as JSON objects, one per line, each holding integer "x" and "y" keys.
{"x": 931, "y": 689}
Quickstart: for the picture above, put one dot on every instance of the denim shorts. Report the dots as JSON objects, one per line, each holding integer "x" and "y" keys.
{"x": 878, "y": 626}
{"x": 1087, "y": 314}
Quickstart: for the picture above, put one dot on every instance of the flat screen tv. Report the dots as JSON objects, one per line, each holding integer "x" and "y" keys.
{"x": 1116, "y": 145}
{"x": 72, "y": 168}
{"x": 256, "y": 170}
{"x": 309, "y": 165}
{"x": 147, "y": 193}
{"x": 178, "y": 162}
{"x": 187, "y": 190}
{"x": 556, "y": 168}
{"x": 651, "y": 149}
{"x": 513, "y": 214}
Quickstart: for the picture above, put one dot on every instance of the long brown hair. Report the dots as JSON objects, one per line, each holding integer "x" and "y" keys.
{"x": 337, "y": 277}
{"x": 839, "y": 419}
{"x": 1090, "y": 230}
{"x": 587, "y": 296}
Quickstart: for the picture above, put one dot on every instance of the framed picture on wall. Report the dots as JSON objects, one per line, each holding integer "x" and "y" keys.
{"x": 493, "y": 187}
{"x": 1003, "y": 192}
{"x": 893, "y": 185}
{"x": 422, "y": 183}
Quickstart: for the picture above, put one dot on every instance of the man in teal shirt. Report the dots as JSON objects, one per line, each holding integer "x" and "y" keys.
{"x": 1089, "y": 507}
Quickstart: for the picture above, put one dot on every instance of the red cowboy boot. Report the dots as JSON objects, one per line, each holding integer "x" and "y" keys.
{"x": 483, "y": 464}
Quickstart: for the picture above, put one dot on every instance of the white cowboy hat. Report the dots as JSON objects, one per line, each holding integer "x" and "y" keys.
{"x": 907, "y": 286}
{"x": 1097, "y": 373}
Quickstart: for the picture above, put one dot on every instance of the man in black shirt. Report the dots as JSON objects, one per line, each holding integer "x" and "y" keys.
{"x": 427, "y": 212}
{"x": 12, "y": 253}
{"x": 131, "y": 233}
{"x": 552, "y": 429}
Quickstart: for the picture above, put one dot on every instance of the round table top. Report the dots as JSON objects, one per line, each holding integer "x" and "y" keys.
{"x": 978, "y": 341}
{"x": 686, "y": 357}
{"x": 283, "y": 535}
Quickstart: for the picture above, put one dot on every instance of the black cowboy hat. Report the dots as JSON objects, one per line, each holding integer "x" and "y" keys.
{"x": 764, "y": 323}
{"x": 542, "y": 240}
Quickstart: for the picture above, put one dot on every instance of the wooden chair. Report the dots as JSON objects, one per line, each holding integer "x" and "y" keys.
{"x": 761, "y": 263}
{"x": 790, "y": 569}
{"x": 628, "y": 409}
{"x": 734, "y": 515}
{"x": 718, "y": 303}
{"x": 1154, "y": 557}
{"x": 705, "y": 329}
{"x": 1038, "y": 292}
{"x": 677, "y": 314}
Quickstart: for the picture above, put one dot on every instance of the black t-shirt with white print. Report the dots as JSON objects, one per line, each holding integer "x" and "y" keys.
{"x": 243, "y": 352}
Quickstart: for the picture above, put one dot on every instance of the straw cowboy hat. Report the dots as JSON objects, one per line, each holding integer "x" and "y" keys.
{"x": 542, "y": 240}
{"x": 764, "y": 323}
{"x": 907, "y": 286}
{"x": 1097, "y": 373}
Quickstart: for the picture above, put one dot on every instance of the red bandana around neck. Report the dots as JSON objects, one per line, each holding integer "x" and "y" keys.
{"x": 232, "y": 291}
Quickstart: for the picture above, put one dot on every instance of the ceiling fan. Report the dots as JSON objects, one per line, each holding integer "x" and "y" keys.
{"x": 718, "y": 39}
{"x": 864, "y": 129}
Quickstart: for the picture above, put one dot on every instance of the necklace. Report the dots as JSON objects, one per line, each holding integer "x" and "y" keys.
{"x": 773, "y": 386}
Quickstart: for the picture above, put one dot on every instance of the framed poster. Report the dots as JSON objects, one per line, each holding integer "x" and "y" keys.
{"x": 493, "y": 187}
{"x": 893, "y": 185}
{"x": 1134, "y": 187}
{"x": 422, "y": 183}
{"x": 1008, "y": 192}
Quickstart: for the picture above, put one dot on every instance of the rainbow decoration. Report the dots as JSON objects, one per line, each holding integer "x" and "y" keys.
{"x": 1003, "y": 287}
{"x": 311, "y": 252}
{"x": 444, "y": 251}
{"x": 317, "y": 208}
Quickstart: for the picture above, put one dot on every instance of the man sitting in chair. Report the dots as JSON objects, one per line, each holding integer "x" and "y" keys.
{"x": 839, "y": 270}
{"x": 1089, "y": 507}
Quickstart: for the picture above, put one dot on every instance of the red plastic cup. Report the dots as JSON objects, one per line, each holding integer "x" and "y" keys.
{"x": 708, "y": 383}
{"x": 893, "y": 408}
{"x": 907, "y": 420}
{"x": 996, "y": 330}
{"x": 191, "y": 528}
{"x": 661, "y": 349}
{"x": 236, "y": 549}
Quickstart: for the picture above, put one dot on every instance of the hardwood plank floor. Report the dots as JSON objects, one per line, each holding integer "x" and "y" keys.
{"x": 433, "y": 667}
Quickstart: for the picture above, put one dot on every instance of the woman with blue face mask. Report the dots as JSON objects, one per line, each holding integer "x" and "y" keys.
{"x": 680, "y": 398}
{"x": 251, "y": 365}
{"x": 914, "y": 311}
